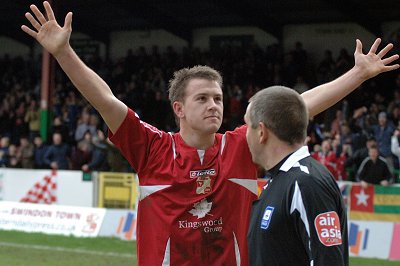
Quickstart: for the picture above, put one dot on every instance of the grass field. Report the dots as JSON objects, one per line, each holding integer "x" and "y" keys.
{"x": 20, "y": 249}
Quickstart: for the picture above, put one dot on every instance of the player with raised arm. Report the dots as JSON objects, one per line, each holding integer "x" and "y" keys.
{"x": 196, "y": 186}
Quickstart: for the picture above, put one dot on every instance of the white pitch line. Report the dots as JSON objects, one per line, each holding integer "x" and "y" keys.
{"x": 73, "y": 250}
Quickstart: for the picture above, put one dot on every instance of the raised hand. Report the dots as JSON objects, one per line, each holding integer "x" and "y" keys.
{"x": 373, "y": 63}
{"x": 47, "y": 31}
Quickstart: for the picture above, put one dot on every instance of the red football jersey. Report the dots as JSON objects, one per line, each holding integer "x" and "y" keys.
{"x": 194, "y": 205}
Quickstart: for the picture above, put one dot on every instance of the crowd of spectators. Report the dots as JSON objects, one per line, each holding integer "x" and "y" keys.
{"x": 341, "y": 137}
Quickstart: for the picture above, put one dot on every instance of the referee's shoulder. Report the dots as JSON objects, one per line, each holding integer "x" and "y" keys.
{"x": 313, "y": 172}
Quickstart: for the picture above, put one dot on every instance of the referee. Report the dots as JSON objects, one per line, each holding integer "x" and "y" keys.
{"x": 300, "y": 218}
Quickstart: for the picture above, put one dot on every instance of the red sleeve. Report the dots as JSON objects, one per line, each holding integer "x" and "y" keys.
{"x": 137, "y": 140}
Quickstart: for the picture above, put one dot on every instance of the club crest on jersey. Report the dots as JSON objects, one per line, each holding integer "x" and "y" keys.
{"x": 328, "y": 230}
{"x": 266, "y": 219}
{"x": 203, "y": 181}
{"x": 203, "y": 185}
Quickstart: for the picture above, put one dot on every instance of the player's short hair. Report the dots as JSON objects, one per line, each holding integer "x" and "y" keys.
{"x": 283, "y": 111}
{"x": 177, "y": 85}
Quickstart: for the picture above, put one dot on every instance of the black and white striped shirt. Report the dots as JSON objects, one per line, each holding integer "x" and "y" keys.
{"x": 300, "y": 217}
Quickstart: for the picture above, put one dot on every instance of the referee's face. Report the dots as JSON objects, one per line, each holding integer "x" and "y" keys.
{"x": 252, "y": 137}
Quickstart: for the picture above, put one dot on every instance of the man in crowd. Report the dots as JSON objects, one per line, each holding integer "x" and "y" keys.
{"x": 355, "y": 160}
{"x": 58, "y": 154}
{"x": 300, "y": 217}
{"x": 188, "y": 181}
{"x": 374, "y": 169}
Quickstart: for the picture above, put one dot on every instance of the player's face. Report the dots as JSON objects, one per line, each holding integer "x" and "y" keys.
{"x": 202, "y": 108}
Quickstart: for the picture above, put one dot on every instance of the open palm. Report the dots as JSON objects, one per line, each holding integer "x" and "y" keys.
{"x": 48, "y": 32}
{"x": 374, "y": 63}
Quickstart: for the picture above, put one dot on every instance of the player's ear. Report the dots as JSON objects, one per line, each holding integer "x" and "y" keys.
{"x": 263, "y": 133}
{"x": 178, "y": 109}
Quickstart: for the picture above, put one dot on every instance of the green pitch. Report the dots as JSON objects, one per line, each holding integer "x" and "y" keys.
{"x": 19, "y": 249}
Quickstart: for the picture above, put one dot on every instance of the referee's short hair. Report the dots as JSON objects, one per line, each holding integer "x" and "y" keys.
{"x": 283, "y": 111}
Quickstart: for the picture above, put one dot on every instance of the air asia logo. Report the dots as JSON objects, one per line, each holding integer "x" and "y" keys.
{"x": 203, "y": 180}
{"x": 201, "y": 208}
{"x": 327, "y": 226}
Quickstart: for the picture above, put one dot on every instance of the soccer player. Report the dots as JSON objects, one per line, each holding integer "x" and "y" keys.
{"x": 196, "y": 186}
{"x": 300, "y": 217}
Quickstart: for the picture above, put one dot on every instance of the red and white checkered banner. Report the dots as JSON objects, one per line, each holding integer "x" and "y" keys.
{"x": 43, "y": 191}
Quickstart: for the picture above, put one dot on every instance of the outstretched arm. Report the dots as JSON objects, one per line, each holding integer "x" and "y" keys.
{"x": 55, "y": 39}
{"x": 366, "y": 66}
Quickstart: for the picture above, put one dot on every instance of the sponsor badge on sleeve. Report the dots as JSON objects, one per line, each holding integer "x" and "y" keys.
{"x": 328, "y": 230}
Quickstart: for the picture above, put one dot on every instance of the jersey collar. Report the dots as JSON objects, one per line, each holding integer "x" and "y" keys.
{"x": 294, "y": 158}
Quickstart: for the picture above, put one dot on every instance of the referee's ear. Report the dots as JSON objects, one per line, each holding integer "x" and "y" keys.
{"x": 263, "y": 133}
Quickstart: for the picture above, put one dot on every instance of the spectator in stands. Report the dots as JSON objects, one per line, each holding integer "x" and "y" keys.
{"x": 395, "y": 147}
{"x": 26, "y": 153}
{"x": 326, "y": 68}
{"x": 341, "y": 150}
{"x": 337, "y": 123}
{"x": 161, "y": 106}
{"x": 379, "y": 99}
{"x": 19, "y": 125}
{"x": 13, "y": 158}
{"x": 4, "y": 151}
{"x": 6, "y": 117}
{"x": 115, "y": 160}
{"x": 39, "y": 153}
{"x": 358, "y": 121}
{"x": 394, "y": 116}
{"x": 346, "y": 135}
{"x": 98, "y": 161}
{"x": 326, "y": 156}
{"x": 32, "y": 117}
{"x": 94, "y": 122}
{"x": 395, "y": 102}
{"x": 383, "y": 132}
{"x": 84, "y": 126}
{"x": 57, "y": 155}
{"x": 196, "y": 171}
{"x": 299, "y": 55}
{"x": 60, "y": 127}
{"x": 88, "y": 139}
{"x": 314, "y": 134}
{"x": 81, "y": 155}
{"x": 354, "y": 161}
{"x": 72, "y": 112}
{"x": 374, "y": 169}
{"x": 373, "y": 113}
{"x": 343, "y": 62}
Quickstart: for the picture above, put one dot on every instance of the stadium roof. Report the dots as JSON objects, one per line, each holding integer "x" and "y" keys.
{"x": 98, "y": 18}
